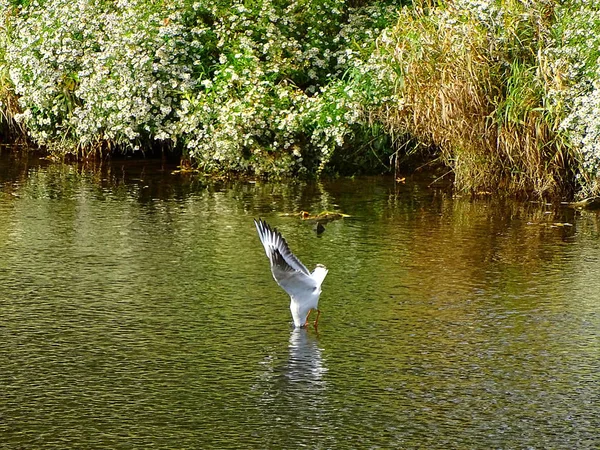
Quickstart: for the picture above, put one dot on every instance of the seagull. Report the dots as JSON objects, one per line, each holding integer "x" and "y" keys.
{"x": 303, "y": 287}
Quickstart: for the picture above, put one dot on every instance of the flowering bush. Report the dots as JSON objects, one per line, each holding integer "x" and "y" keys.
{"x": 576, "y": 56}
{"x": 234, "y": 87}
{"x": 507, "y": 92}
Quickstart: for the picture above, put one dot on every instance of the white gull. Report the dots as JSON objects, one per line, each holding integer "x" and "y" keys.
{"x": 303, "y": 287}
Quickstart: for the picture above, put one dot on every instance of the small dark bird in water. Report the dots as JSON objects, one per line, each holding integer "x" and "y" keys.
{"x": 319, "y": 228}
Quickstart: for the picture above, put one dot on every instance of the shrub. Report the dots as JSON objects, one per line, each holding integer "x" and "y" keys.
{"x": 234, "y": 87}
{"x": 503, "y": 92}
{"x": 575, "y": 55}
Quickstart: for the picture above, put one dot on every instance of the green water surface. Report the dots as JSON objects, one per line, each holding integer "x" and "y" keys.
{"x": 137, "y": 310}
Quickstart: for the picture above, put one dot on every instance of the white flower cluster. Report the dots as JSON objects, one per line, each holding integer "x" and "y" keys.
{"x": 237, "y": 87}
{"x": 99, "y": 73}
{"x": 577, "y": 59}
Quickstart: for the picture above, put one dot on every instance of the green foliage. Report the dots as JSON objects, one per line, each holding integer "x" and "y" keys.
{"x": 504, "y": 91}
{"x": 234, "y": 85}
{"x": 574, "y": 58}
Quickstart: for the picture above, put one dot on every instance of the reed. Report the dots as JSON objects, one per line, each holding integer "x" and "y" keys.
{"x": 8, "y": 100}
{"x": 474, "y": 84}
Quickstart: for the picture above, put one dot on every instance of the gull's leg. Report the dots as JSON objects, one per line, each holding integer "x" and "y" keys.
{"x": 317, "y": 319}
{"x": 307, "y": 316}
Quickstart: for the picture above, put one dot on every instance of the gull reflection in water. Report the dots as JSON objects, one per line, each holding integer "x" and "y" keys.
{"x": 299, "y": 379}
{"x": 305, "y": 362}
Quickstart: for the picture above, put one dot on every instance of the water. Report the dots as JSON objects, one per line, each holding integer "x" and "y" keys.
{"x": 138, "y": 311}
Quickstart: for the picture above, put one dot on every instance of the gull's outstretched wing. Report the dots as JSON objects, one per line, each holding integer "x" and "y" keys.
{"x": 272, "y": 239}
{"x": 287, "y": 270}
{"x": 295, "y": 283}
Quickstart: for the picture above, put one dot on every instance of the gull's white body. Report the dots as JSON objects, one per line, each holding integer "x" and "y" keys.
{"x": 303, "y": 287}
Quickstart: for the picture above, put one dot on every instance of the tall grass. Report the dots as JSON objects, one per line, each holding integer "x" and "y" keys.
{"x": 8, "y": 100}
{"x": 474, "y": 83}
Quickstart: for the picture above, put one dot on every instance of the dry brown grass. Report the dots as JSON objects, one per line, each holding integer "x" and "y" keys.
{"x": 9, "y": 105}
{"x": 481, "y": 103}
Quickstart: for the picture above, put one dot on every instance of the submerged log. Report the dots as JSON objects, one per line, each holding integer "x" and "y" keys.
{"x": 324, "y": 217}
{"x": 586, "y": 203}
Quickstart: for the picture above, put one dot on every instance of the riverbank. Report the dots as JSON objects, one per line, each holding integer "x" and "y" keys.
{"x": 503, "y": 94}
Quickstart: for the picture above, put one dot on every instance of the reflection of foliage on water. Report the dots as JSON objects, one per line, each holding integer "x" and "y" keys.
{"x": 501, "y": 231}
{"x": 462, "y": 238}
{"x": 149, "y": 181}
{"x": 456, "y": 233}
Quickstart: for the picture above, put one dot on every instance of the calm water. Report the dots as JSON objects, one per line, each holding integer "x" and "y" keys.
{"x": 138, "y": 311}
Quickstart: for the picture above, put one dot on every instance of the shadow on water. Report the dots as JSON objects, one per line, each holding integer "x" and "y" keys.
{"x": 138, "y": 310}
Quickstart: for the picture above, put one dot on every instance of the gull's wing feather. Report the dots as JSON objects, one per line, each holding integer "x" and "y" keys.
{"x": 319, "y": 274}
{"x": 294, "y": 282}
{"x": 272, "y": 239}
